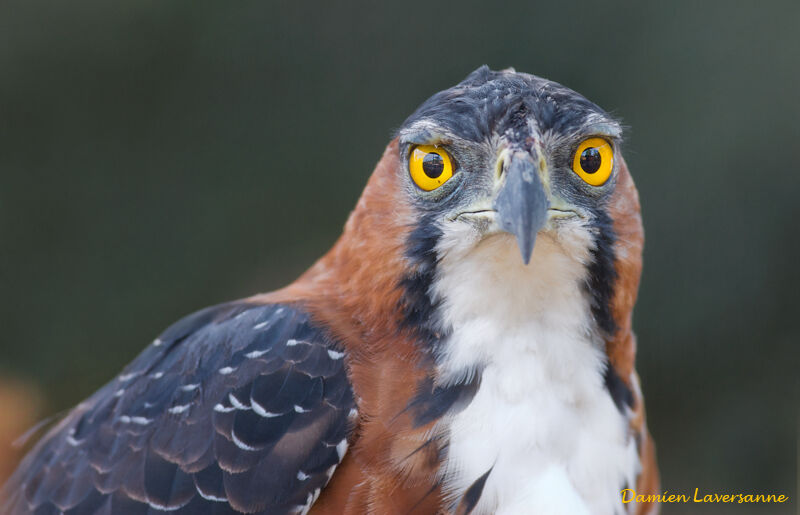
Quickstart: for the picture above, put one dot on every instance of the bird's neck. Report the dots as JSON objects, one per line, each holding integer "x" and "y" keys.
{"x": 487, "y": 293}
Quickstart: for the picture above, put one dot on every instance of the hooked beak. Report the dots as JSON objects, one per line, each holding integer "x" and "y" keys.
{"x": 522, "y": 203}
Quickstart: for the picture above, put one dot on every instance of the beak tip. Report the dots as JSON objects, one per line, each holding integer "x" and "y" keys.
{"x": 526, "y": 249}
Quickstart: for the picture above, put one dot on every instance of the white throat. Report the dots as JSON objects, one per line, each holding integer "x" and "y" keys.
{"x": 541, "y": 418}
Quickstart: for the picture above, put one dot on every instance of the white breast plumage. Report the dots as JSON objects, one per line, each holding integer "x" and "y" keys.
{"x": 542, "y": 419}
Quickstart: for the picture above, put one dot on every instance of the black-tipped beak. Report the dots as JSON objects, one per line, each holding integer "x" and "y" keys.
{"x": 522, "y": 203}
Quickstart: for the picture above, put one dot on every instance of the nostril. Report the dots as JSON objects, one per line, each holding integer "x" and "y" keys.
{"x": 502, "y": 164}
{"x": 501, "y": 168}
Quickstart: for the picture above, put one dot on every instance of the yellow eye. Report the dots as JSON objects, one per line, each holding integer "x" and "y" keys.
{"x": 594, "y": 161}
{"x": 430, "y": 167}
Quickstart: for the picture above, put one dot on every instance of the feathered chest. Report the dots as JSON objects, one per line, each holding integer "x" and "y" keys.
{"x": 542, "y": 423}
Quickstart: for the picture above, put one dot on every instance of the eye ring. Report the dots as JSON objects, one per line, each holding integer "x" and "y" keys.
{"x": 593, "y": 161}
{"x": 429, "y": 166}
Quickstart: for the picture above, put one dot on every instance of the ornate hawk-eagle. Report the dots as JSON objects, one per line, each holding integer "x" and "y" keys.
{"x": 464, "y": 347}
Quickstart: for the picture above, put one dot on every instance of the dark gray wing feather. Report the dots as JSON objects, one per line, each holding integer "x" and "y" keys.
{"x": 237, "y": 408}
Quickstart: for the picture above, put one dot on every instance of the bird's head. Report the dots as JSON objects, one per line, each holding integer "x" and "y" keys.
{"x": 505, "y": 182}
{"x": 506, "y": 153}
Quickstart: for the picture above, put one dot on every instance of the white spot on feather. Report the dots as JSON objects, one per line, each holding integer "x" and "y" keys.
{"x": 236, "y": 403}
{"x": 261, "y": 325}
{"x": 240, "y": 444}
{"x": 261, "y": 411}
{"x": 179, "y": 409}
{"x": 341, "y": 448}
{"x": 331, "y": 470}
{"x": 256, "y": 353}
{"x": 219, "y": 408}
{"x": 226, "y": 370}
{"x": 209, "y": 497}
{"x": 139, "y": 421}
{"x": 161, "y": 507}
{"x": 335, "y": 355}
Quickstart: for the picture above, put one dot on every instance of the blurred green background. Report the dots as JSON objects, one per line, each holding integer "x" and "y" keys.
{"x": 157, "y": 157}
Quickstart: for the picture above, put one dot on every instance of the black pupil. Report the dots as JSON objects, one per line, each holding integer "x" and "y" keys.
{"x": 432, "y": 165}
{"x": 590, "y": 160}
